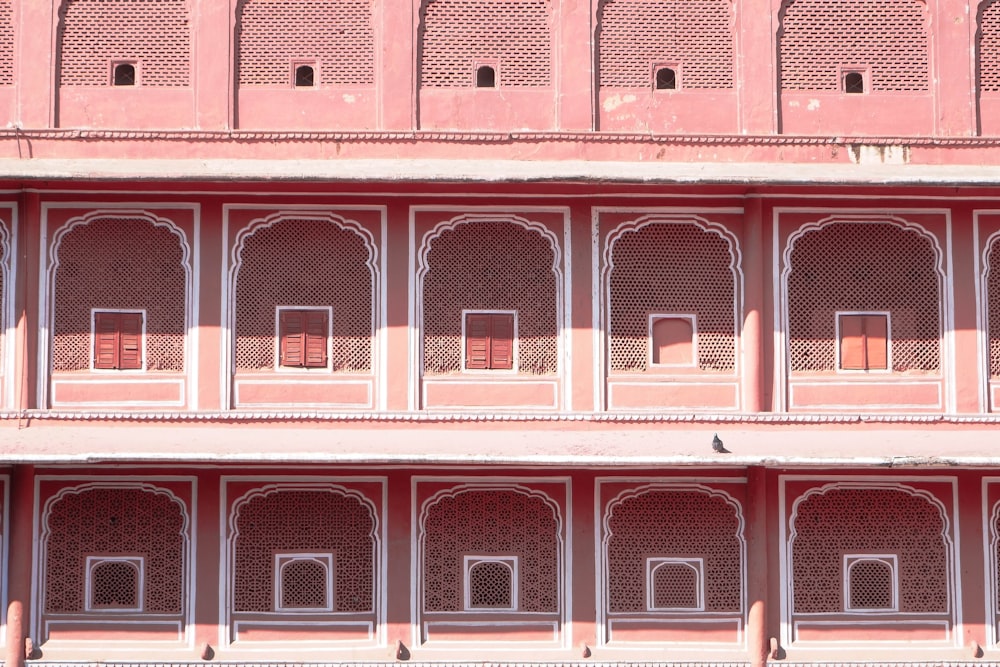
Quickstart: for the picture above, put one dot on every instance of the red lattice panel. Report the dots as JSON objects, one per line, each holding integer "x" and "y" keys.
{"x": 490, "y": 585}
{"x": 491, "y": 265}
{"x": 672, "y": 268}
{"x": 850, "y": 266}
{"x": 115, "y": 585}
{"x": 304, "y": 521}
{"x": 115, "y": 521}
{"x": 491, "y": 522}
{"x": 818, "y": 37}
{"x": 119, "y": 263}
{"x": 696, "y": 35}
{"x": 303, "y": 262}
{"x": 302, "y": 585}
{"x": 157, "y": 33}
{"x": 873, "y": 521}
{"x": 456, "y": 34}
{"x": 989, "y": 48}
{"x": 674, "y": 523}
{"x": 6, "y": 43}
{"x": 993, "y": 301}
{"x": 337, "y": 35}
{"x": 871, "y": 585}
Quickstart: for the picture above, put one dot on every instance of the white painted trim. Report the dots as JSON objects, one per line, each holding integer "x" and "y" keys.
{"x": 271, "y": 216}
{"x": 5, "y": 537}
{"x": 696, "y": 565}
{"x": 889, "y": 560}
{"x": 48, "y": 266}
{"x": 8, "y": 272}
{"x": 135, "y": 378}
{"x": 982, "y": 268}
{"x": 136, "y": 562}
{"x": 861, "y": 381}
{"x": 471, "y": 561}
{"x": 301, "y": 644}
{"x": 830, "y": 216}
{"x": 283, "y": 559}
{"x": 300, "y": 381}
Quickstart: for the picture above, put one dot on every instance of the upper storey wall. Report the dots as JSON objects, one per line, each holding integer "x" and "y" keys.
{"x": 804, "y": 67}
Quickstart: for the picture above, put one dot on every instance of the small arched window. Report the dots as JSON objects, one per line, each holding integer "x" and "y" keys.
{"x": 486, "y": 77}
{"x": 666, "y": 78}
{"x": 305, "y": 76}
{"x": 124, "y": 74}
{"x": 854, "y": 83}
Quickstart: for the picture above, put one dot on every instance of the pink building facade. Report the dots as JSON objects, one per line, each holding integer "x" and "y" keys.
{"x": 466, "y": 331}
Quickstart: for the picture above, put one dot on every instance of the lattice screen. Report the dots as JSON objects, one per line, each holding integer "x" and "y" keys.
{"x": 988, "y": 60}
{"x": 993, "y": 306}
{"x": 303, "y": 585}
{"x": 337, "y": 34}
{"x": 92, "y": 33}
{"x": 313, "y": 521}
{"x": 859, "y": 266}
{"x": 115, "y": 521}
{"x": 6, "y": 43}
{"x": 490, "y": 585}
{"x": 125, "y": 263}
{"x": 671, "y": 268}
{"x": 892, "y": 37}
{"x": 477, "y": 522}
{"x": 871, "y": 585}
{"x": 696, "y": 35}
{"x": 491, "y": 265}
{"x": 674, "y": 523}
{"x": 304, "y": 262}
{"x": 882, "y": 521}
{"x": 455, "y": 34}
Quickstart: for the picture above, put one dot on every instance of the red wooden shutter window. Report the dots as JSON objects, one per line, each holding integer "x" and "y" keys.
{"x": 489, "y": 341}
{"x": 864, "y": 342}
{"x": 302, "y": 335}
{"x": 118, "y": 341}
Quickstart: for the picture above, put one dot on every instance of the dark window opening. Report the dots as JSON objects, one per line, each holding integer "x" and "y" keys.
{"x": 854, "y": 83}
{"x": 305, "y": 76}
{"x": 486, "y": 77}
{"x": 124, "y": 74}
{"x": 666, "y": 79}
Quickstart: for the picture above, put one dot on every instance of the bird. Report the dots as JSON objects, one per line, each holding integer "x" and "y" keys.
{"x": 718, "y": 446}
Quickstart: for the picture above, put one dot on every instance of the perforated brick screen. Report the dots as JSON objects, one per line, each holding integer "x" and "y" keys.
{"x": 119, "y": 263}
{"x": 675, "y": 585}
{"x": 850, "y": 266}
{"x": 817, "y": 37}
{"x": 988, "y": 60}
{"x": 6, "y": 43}
{"x": 115, "y": 521}
{"x": 490, "y": 585}
{"x": 491, "y": 522}
{"x": 455, "y": 34}
{"x": 156, "y": 33}
{"x": 672, "y": 268}
{"x": 304, "y": 521}
{"x": 303, "y": 585}
{"x": 338, "y": 35}
{"x": 858, "y": 521}
{"x": 993, "y": 306}
{"x": 490, "y": 265}
{"x": 304, "y": 262}
{"x": 696, "y": 35}
{"x": 673, "y": 523}
{"x": 871, "y": 585}
{"x": 115, "y": 584}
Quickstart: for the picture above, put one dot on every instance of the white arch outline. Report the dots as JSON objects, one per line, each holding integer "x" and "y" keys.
{"x": 190, "y": 369}
{"x": 468, "y": 487}
{"x": 281, "y": 487}
{"x": 424, "y": 267}
{"x": 944, "y": 300}
{"x": 984, "y": 277}
{"x": 187, "y": 586}
{"x": 606, "y": 534}
{"x": 934, "y": 501}
{"x": 268, "y": 221}
{"x": 706, "y": 226}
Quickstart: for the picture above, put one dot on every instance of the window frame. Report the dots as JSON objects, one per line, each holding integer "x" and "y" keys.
{"x": 511, "y": 561}
{"x": 94, "y": 314}
{"x": 279, "y": 367}
{"x": 850, "y": 560}
{"x": 138, "y": 562}
{"x": 697, "y": 564}
{"x": 486, "y": 62}
{"x": 651, "y": 320}
{"x": 839, "y": 341}
{"x": 866, "y": 79}
{"x": 136, "y": 70}
{"x": 282, "y": 560}
{"x": 514, "y": 342}
{"x": 655, "y": 69}
{"x": 295, "y": 64}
